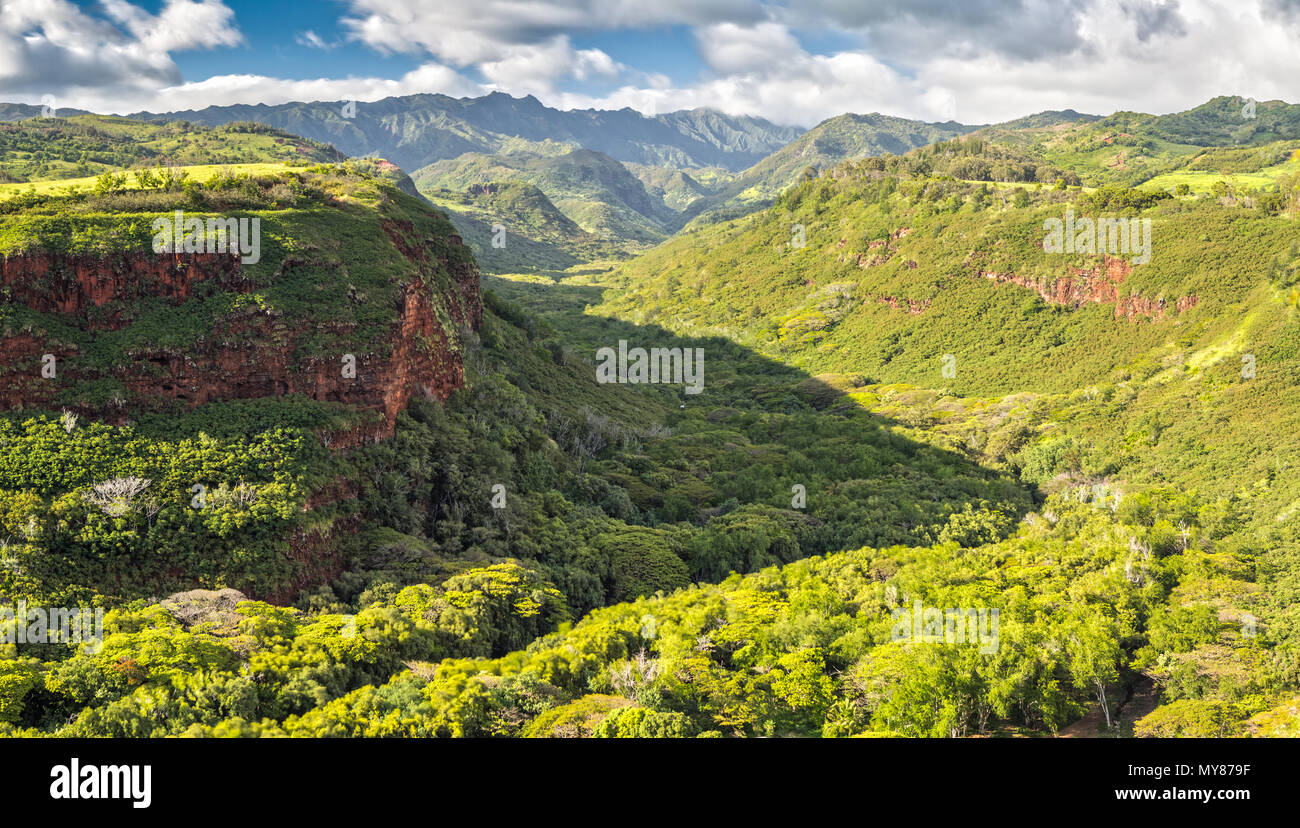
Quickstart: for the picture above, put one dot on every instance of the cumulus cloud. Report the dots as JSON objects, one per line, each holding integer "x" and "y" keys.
{"x": 908, "y": 31}
{"x": 976, "y": 61}
{"x": 223, "y": 90}
{"x": 1144, "y": 55}
{"x": 181, "y": 25}
{"x": 971, "y": 60}
{"x": 535, "y": 68}
{"x": 53, "y": 47}
{"x": 462, "y": 32}
{"x": 729, "y": 48}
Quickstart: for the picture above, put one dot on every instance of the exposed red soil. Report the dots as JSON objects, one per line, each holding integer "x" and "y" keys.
{"x": 1099, "y": 284}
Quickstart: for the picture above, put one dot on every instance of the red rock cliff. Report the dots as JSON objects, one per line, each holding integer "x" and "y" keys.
{"x": 1099, "y": 284}
{"x": 245, "y": 355}
{"x": 74, "y": 285}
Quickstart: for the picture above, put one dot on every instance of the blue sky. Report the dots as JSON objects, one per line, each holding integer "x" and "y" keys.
{"x": 792, "y": 61}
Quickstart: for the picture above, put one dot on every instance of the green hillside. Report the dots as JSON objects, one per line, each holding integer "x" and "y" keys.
{"x": 1130, "y": 148}
{"x": 85, "y": 145}
{"x": 590, "y": 188}
{"x": 1230, "y": 121}
{"x": 679, "y": 189}
{"x": 144, "y": 387}
{"x": 512, "y": 227}
{"x": 634, "y": 205}
{"x": 842, "y": 138}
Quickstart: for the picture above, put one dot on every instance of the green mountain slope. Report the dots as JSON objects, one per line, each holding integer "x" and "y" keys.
{"x": 198, "y": 371}
{"x": 417, "y": 130}
{"x": 83, "y": 145}
{"x": 590, "y": 188}
{"x": 606, "y": 201}
{"x": 679, "y": 189}
{"x": 20, "y": 112}
{"x": 1130, "y": 148}
{"x": 1230, "y": 121}
{"x": 897, "y": 270}
{"x": 834, "y": 140}
{"x": 512, "y": 227}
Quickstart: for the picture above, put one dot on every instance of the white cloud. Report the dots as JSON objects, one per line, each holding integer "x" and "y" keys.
{"x": 311, "y": 40}
{"x": 223, "y": 90}
{"x": 970, "y": 60}
{"x": 181, "y": 25}
{"x": 53, "y": 47}
{"x": 535, "y": 69}
{"x": 1125, "y": 54}
{"x": 462, "y": 32}
{"x": 729, "y": 48}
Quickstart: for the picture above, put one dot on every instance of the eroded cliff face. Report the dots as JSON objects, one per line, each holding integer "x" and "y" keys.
{"x": 93, "y": 289}
{"x": 245, "y": 355}
{"x": 1099, "y": 284}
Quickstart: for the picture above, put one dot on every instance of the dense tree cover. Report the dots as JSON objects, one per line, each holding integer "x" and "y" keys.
{"x": 1121, "y": 199}
{"x": 1244, "y": 159}
{"x": 610, "y": 507}
{"x": 1177, "y": 407}
{"x": 971, "y": 158}
{"x": 1220, "y": 122}
{"x": 216, "y": 494}
{"x": 606, "y": 510}
{"x": 154, "y": 675}
{"x": 576, "y": 485}
{"x": 811, "y": 648}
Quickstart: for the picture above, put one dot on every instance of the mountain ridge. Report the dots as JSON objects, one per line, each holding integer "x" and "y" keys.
{"x": 686, "y": 137}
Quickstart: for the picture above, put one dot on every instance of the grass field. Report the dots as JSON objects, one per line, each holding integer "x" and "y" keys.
{"x": 1200, "y": 181}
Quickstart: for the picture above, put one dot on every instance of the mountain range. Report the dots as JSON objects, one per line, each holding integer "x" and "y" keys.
{"x": 704, "y": 159}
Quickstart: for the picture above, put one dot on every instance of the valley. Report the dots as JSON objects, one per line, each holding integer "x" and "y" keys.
{"x": 909, "y": 403}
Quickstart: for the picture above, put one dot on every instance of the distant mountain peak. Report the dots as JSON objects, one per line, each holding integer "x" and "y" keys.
{"x": 441, "y": 128}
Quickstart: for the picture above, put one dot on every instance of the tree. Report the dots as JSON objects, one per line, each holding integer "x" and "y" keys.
{"x": 116, "y": 497}
{"x": 109, "y": 182}
{"x": 1093, "y": 654}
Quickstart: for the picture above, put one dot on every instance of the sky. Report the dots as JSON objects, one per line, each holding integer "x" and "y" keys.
{"x": 793, "y": 62}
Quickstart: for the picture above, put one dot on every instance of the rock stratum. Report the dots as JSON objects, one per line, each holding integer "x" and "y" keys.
{"x": 1099, "y": 284}
{"x": 74, "y": 299}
